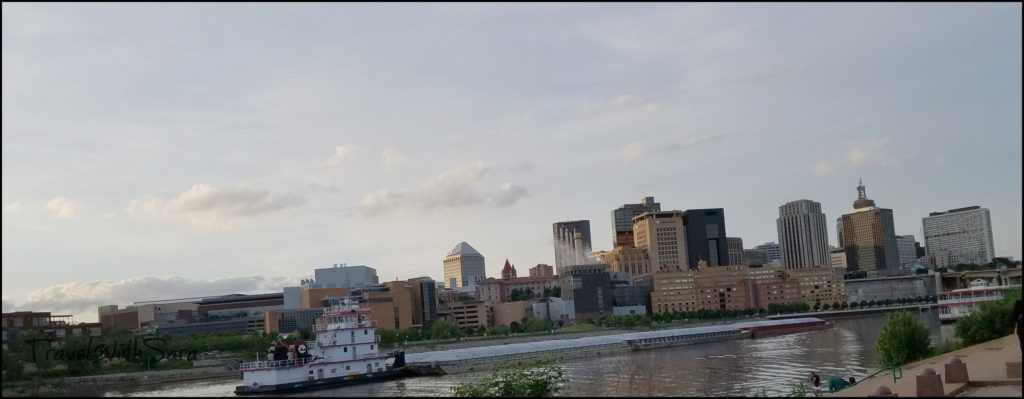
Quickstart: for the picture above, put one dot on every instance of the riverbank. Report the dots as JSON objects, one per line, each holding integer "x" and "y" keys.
{"x": 986, "y": 366}
{"x": 98, "y": 384}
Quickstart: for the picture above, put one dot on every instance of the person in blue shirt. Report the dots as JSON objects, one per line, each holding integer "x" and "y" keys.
{"x": 836, "y": 383}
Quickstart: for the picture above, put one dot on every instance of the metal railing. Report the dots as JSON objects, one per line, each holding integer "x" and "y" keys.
{"x": 331, "y": 327}
{"x": 275, "y": 364}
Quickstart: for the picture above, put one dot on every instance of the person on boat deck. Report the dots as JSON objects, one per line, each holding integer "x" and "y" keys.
{"x": 815, "y": 379}
{"x": 836, "y": 383}
{"x": 852, "y": 381}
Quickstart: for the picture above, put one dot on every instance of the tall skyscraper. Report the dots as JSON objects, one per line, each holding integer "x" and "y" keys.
{"x": 661, "y": 235}
{"x": 907, "y": 248}
{"x": 964, "y": 234}
{"x": 869, "y": 238}
{"x": 572, "y": 243}
{"x": 735, "y": 248}
{"x": 705, "y": 236}
{"x": 463, "y": 267}
{"x": 622, "y": 220}
{"x": 803, "y": 235}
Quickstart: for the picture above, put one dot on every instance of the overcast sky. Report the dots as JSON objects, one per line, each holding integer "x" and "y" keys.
{"x": 157, "y": 151}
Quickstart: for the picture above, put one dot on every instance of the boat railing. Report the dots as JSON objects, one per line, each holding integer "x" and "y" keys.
{"x": 964, "y": 299}
{"x": 275, "y": 364}
{"x": 329, "y": 327}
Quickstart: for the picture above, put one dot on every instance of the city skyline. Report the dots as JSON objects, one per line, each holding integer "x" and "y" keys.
{"x": 210, "y": 151}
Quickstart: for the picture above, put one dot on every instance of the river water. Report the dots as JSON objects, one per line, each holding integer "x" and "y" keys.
{"x": 730, "y": 368}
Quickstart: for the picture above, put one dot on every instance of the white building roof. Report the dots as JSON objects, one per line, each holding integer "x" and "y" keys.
{"x": 464, "y": 248}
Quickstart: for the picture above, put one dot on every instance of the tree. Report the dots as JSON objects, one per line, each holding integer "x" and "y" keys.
{"x": 990, "y": 321}
{"x": 538, "y": 380}
{"x": 902, "y": 340}
{"x": 556, "y": 291}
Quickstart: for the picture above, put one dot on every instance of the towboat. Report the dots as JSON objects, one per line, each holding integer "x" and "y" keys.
{"x": 345, "y": 352}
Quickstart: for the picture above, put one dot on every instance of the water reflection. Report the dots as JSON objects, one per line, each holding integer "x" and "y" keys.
{"x": 729, "y": 368}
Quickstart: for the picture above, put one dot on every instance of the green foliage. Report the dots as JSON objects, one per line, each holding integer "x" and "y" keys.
{"x": 13, "y": 366}
{"x": 990, "y": 321}
{"x": 536, "y": 380}
{"x": 902, "y": 340}
{"x": 80, "y": 365}
{"x": 437, "y": 331}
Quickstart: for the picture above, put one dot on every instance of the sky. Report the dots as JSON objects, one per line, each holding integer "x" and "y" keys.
{"x": 155, "y": 151}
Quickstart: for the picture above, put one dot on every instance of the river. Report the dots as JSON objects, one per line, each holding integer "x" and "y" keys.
{"x": 730, "y": 368}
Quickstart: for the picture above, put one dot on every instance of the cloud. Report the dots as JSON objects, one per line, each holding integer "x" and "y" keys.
{"x": 632, "y": 151}
{"x": 507, "y": 195}
{"x": 640, "y": 149}
{"x": 343, "y": 154}
{"x": 822, "y": 168}
{"x": 60, "y": 208}
{"x": 623, "y": 103}
{"x": 12, "y": 207}
{"x": 706, "y": 139}
{"x": 446, "y": 190}
{"x": 871, "y": 152}
{"x": 206, "y": 205}
{"x": 82, "y": 298}
{"x": 392, "y": 157}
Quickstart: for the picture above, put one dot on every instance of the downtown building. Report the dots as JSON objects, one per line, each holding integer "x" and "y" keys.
{"x": 869, "y": 239}
{"x": 734, "y": 246}
{"x": 704, "y": 230}
{"x": 906, "y": 246}
{"x": 803, "y": 235}
{"x": 744, "y": 287}
{"x": 962, "y": 235}
{"x": 622, "y": 220}
{"x": 661, "y": 235}
{"x": 572, "y": 243}
{"x": 628, "y": 259}
{"x": 496, "y": 291}
{"x": 463, "y": 267}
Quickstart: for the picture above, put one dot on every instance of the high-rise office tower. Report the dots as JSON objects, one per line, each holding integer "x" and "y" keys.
{"x": 572, "y": 243}
{"x": 869, "y": 238}
{"x": 661, "y": 235}
{"x": 965, "y": 234}
{"x": 622, "y": 220}
{"x": 463, "y": 267}
{"x": 803, "y": 235}
{"x": 906, "y": 246}
{"x": 735, "y": 248}
{"x": 705, "y": 236}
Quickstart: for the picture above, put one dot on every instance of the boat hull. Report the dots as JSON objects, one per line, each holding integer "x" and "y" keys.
{"x": 331, "y": 382}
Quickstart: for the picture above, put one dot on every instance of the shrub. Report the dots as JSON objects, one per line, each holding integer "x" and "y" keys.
{"x": 990, "y": 321}
{"x": 902, "y": 340}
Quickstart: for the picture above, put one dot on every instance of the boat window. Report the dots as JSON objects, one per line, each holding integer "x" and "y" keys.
{"x": 347, "y": 368}
{"x": 371, "y": 346}
{"x": 366, "y": 332}
{"x": 346, "y": 349}
{"x": 334, "y": 371}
